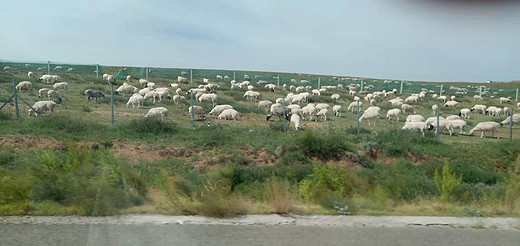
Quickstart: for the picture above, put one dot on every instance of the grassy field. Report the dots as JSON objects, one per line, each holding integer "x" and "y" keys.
{"x": 76, "y": 162}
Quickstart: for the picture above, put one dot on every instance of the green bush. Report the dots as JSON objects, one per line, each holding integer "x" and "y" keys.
{"x": 62, "y": 123}
{"x": 447, "y": 181}
{"x": 325, "y": 181}
{"x": 397, "y": 142}
{"x": 148, "y": 126}
{"x": 323, "y": 145}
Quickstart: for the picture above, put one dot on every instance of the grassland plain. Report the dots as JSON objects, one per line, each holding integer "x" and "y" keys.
{"x": 76, "y": 162}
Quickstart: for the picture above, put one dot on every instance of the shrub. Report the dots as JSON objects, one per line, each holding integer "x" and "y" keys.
{"x": 66, "y": 124}
{"x": 324, "y": 145}
{"x": 447, "y": 182}
{"x": 5, "y": 115}
{"x": 397, "y": 142}
{"x": 144, "y": 126}
{"x": 279, "y": 194}
{"x": 325, "y": 180}
{"x": 513, "y": 187}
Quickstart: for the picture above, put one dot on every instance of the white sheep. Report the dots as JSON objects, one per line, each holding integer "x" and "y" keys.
{"x": 335, "y": 97}
{"x": 128, "y": 78}
{"x": 61, "y": 86}
{"x": 181, "y": 79}
{"x": 6, "y": 68}
{"x": 353, "y": 105}
{"x": 464, "y": 113}
{"x": 414, "y": 118}
{"x": 150, "y": 85}
{"x": 156, "y": 112}
{"x": 58, "y": 68}
{"x": 479, "y": 108}
{"x": 152, "y": 95}
{"x": 252, "y": 95}
{"x": 321, "y": 106}
{"x": 31, "y": 75}
{"x": 370, "y": 115}
{"x": 488, "y": 126}
{"x": 336, "y": 109}
{"x": 197, "y": 110}
{"x": 70, "y": 70}
{"x": 135, "y": 99}
{"x": 24, "y": 85}
{"x": 393, "y": 113}
{"x": 433, "y": 120}
{"x": 451, "y": 104}
{"x": 271, "y": 87}
{"x": 323, "y": 113}
{"x": 316, "y": 92}
{"x": 518, "y": 105}
{"x": 43, "y": 93}
{"x": 407, "y": 108}
{"x": 174, "y": 85}
{"x": 504, "y": 100}
{"x": 52, "y": 95}
{"x": 177, "y": 99}
{"x": 453, "y": 117}
{"x": 265, "y": 104}
{"x": 507, "y": 111}
{"x": 493, "y": 111}
{"x": 516, "y": 119}
{"x": 417, "y": 127}
{"x": 434, "y": 108}
{"x": 127, "y": 89}
{"x": 42, "y": 106}
{"x": 46, "y": 78}
{"x": 228, "y": 114}
{"x": 442, "y": 98}
{"x": 477, "y": 97}
{"x": 295, "y": 119}
{"x": 453, "y": 124}
{"x": 218, "y": 109}
{"x": 142, "y": 82}
{"x": 208, "y": 98}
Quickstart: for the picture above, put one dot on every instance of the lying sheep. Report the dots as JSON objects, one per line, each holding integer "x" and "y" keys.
{"x": 228, "y": 114}
{"x": 217, "y": 110}
{"x": 91, "y": 93}
{"x": 336, "y": 109}
{"x": 24, "y": 85}
{"x": 464, "y": 113}
{"x": 61, "y": 86}
{"x": 156, "y": 112}
{"x": 197, "y": 110}
{"x": 54, "y": 95}
{"x": 42, "y": 106}
{"x": 393, "y": 113}
{"x": 135, "y": 99}
{"x": 417, "y": 127}
{"x": 177, "y": 99}
{"x": 488, "y": 126}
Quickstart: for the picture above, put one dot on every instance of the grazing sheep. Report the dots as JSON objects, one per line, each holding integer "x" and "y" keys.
{"x": 493, "y": 111}
{"x": 164, "y": 92}
{"x": 518, "y": 105}
{"x": 453, "y": 117}
{"x": 228, "y": 114}
{"x": 271, "y": 87}
{"x": 295, "y": 119}
{"x": 128, "y": 78}
{"x": 433, "y": 120}
{"x": 464, "y": 113}
{"x": 417, "y": 127}
{"x": 197, "y": 110}
{"x": 219, "y": 77}
{"x": 31, "y": 75}
{"x": 309, "y": 110}
{"x": 434, "y": 108}
{"x": 130, "y": 89}
{"x": 369, "y": 115}
{"x": 61, "y": 86}
{"x": 208, "y": 98}
{"x": 477, "y": 97}
{"x": 156, "y": 112}
{"x": 516, "y": 119}
{"x": 353, "y": 105}
{"x": 179, "y": 99}
{"x": 150, "y": 85}
{"x": 6, "y": 68}
{"x": 412, "y": 98}
{"x": 174, "y": 85}
{"x": 505, "y": 100}
{"x": 442, "y": 98}
{"x": 407, "y": 108}
{"x": 265, "y": 104}
{"x": 152, "y": 95}
{"x": 24, "y": 85}
{"x": 42, "y": 106}
{"x": 91, "y": 93}
{"x": 111, "y": 79}
{"x": 252, "y": 95}
{"x": 393, "y": 113}
{"x": 336, "y": 109}
{"x": 323, "y": 113}
{"x": 335, "y": 97}
{"x": 143, "y": 82}
{"x": 488, "y": 126}
{"x": 46, "y": 78}
{"x": 321, "y": 106}
{"x": 182, "y": 79}
{"x": 217, "y": 110}
{"x": 277, "y": 110}
{"x": 58, "y": 68}
{"x": 451, "y": 104}
{"x": 43, "y": 92}
{"x": 507, "y": 111}
{"x": 135, "y": 99}
{"x": 52, "y": 94}
{"x": 143, "y": 92}
{"x": 479, "y": 109}
{"x": 70, "y": 70}
{"x": 453, "y": 124}
{"x": 414, "y": 118}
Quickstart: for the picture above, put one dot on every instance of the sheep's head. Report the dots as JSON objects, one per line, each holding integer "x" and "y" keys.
{"x": 31, "y": 112}
{"x": 430, "y": 128}
{"x": 268, "y": 117}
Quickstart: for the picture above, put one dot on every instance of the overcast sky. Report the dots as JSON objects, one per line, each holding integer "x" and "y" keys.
{"x": 398, "y": 39}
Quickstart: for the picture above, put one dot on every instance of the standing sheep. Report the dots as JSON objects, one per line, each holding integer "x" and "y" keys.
{"x": 135, "y": 99}
{"x": 31, "y": 75}
{"x": 228, "y": 114}
{"x": 91, "y": 93}
{"x": 43, "y": 92}
{"x": 393, "y": 113}
{"x": 407, "y": 109}
{"x": 464, "y": 113}
{"x": 52, "y": 94}
{"x": 336, "y": 109}
{"x": 416, "y": 126}
{"x": 159, "y": 111}
{"x": 24, "y": 85}
{"x": 208, "y": 98}
{"x": 488, "y": 126}
{"x": 295, "y": 119}
{"x": 61, "y": 86}
{"x": 218, "y": 109}
{"x": 370, "y": 115}
{"x": 42, "y": 106}
{"x": 323, "y": 113}
{"x": 197, "y": 110}
{"x": 179, "y": 99}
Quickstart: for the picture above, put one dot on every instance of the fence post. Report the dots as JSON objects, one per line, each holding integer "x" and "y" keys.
{"x": 401, "y": 90}
{"x": 480, "y": 91}
{"x": 284, "y": 120}
{"x": 358, "y": 117}
{"x": 112, "y": 101}
{"x": 319, "y": 83}
{"x": 511, "y": 123}
{"x": 516, "y": 97}
{"x": 191, "y": 78}
{"x": 146, "y": 73}
{"x": 97, "y": 71}
{"x": 192, "y": 112}
{"x": 438, "y": 129}
{"x": 235, "y": 76}
{"x": 440, "y": 93}
{"x": 361, "y": 90}
{"x": 279, "y": 80}
{"x": 16, "y": 100}
{"x": 49, "y": 67}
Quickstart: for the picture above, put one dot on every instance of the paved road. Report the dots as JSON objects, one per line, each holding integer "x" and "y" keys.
{"x": 175, "y": 234}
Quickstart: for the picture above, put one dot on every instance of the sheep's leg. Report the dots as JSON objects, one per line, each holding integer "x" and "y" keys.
{"x": 422, "y": 131}
{"x": 482, "y": 135}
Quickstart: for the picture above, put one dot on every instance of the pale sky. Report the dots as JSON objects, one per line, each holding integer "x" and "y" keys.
{"x": 397, "y": 39}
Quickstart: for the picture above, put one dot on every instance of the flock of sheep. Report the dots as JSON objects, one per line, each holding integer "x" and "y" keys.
{"x": 296, "y": 106}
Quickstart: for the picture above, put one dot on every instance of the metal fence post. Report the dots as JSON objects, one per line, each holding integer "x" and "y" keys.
{"x": 401, "y": 90}
{"x": 278, "y": 78}
{"x": 97, "y": 70}
{"x": 319, "y": 83}
{"x": 234, "y": 76}
{"x": 49, "y": 67}
{"x": 191, "y": 77}
{"x": 511, "y": 123}
{"x": 146, "y": 73}
{"x": 16, "y": 100}
{"x": 361, "y": 86}
{"x": 480, "y": 91}
{"x": 516, "y": 97}
{"x": 358, "y": 117}
{"x": 192, "y": 112}
{"x": 440, "y": 93}
{"x": 112, "y": 101}
{"x": 284, "y": 120}
{"x": 438, "y": 129}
